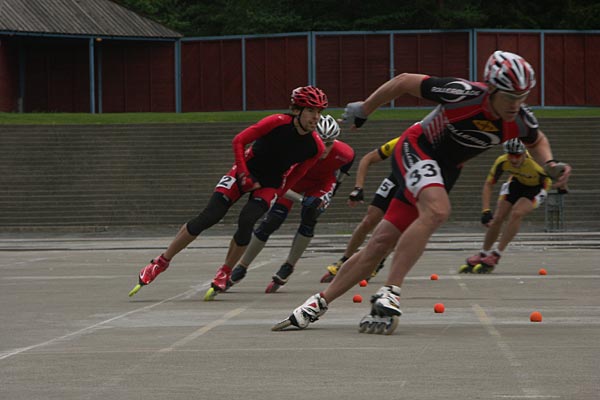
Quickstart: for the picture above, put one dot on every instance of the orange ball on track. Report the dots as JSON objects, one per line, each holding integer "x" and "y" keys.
{"x": 535, "y": 316}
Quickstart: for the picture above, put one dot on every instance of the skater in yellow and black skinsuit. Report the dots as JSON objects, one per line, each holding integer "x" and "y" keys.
{"x": 524, "y": 191}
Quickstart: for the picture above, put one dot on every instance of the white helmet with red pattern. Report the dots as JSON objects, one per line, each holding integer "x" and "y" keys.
{"x": 509, "y": 72}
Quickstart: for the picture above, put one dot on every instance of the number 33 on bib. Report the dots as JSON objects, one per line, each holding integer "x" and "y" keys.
{"x": 422, "y": 174}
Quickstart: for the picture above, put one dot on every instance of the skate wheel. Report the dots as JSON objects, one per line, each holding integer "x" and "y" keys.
{"x": 362, "y": 327}
{"x": 380, "y": 328}
{"x": 281, "y": 325}
{"x": 135, "y": 290}
{"x": 372, "y": 328}
{"x": 327, "y": 278}
{"x": 272, "y": 288}
{"x": 210, "y": 294}
{"x": 465, "y": 269}
{"x": 391, "y": 327}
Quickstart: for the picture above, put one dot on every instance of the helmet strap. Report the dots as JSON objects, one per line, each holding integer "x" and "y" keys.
{"x": 298, "y": 118}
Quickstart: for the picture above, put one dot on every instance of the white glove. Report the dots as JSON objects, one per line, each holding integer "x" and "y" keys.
{"x": 556, "y": 170}
{"x": 354, "y": 114}
{"x": 541, "y": 197}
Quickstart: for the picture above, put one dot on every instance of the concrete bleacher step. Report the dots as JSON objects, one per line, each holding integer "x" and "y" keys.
{"x": 163, "y": 174}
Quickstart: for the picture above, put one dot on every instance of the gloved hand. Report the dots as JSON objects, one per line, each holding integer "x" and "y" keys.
{"x": 354, "y": 114}
{"x": 356, "y": 195}
{"x": 556, "y": 170}
{"x": 541, "y": 197}
{"x": 486, "y": 216}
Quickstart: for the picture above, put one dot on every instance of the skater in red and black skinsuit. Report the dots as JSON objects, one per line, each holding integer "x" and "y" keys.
{"x": 314, "y": 192}
{"x": 471, "y": 117}
{"x": 278, "y": 143}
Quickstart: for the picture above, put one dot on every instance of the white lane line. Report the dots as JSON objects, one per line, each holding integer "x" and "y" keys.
{"x": 9, "y": 353}
{"x": 203, "y": 330}
{"x": 6, "y": 354}
{"x": 522, "y": 377}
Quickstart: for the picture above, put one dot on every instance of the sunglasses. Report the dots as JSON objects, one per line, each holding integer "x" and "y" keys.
{"x": 515, "y": 96}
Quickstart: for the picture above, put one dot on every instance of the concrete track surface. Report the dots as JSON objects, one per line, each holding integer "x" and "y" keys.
{"x": 69, "y": 331}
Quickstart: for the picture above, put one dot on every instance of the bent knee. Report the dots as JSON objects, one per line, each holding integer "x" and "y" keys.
{"x": 436, "y": 215}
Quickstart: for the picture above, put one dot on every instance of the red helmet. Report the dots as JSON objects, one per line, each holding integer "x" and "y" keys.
{"x": 309, "y": 96}
{"x": 509, "y": 72}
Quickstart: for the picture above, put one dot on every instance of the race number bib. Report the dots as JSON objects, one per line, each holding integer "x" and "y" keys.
{"x": 422, "y": 174}
{"x": 226, "y": 182}
{"x": 505, "y": 189}
{"x": 385, "y": 188}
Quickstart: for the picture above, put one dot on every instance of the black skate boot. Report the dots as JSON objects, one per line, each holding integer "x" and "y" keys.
{"x": 280, "y": 278}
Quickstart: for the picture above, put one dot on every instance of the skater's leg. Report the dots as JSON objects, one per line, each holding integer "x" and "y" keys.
{"x": 299, "y": 245}
{"x": 234, "y": 253}
{"x": 433, "y": 207}
{"x": 522, "y": 207}
{"x": 252, "y": 251}
{"x": 214, "y": 211}
{"x": 361, "y": 264}
{"x": 305, "y": 233}
{"x": 251, "y": 212}
{"x": 495, "y": 226}
{"x": 366, "y": 226}
{"x": 272, "y": 221}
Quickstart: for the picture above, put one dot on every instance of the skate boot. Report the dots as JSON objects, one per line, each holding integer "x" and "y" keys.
{"x": 219, "y": 283}
{"x": 150, "y": 272}
{"x": 280, "y": 278}
{"x": 385, "y": 311}
{"x": 471, "y": 262}
{"x": 313, "y": 308}
{"x": 487, "y": 263}
{"x": 237, "y": 275}
{"x": 332, "y": 270}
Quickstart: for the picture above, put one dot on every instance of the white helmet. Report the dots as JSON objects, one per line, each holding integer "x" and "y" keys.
{"x": 509, "y": 72}
{"x": 514, "y": 146}
{"x": 328, "y": 128}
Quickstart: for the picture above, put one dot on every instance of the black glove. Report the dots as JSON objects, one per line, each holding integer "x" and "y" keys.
{"x": 486, "y": 216}
{"x": 356, "y": 194}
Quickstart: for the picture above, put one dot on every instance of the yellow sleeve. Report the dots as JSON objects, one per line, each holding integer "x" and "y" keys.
{"x": 497, "y": 169}
{"x": 387, "y": 149}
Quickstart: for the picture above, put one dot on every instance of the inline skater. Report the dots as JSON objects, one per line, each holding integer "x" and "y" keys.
{"x": 383, "y": 195}
{"x": 275, "y": 144}
{"x": 524, "y": 191}
{"x": 314, "y": 192}
{"x": 471, "y": 118}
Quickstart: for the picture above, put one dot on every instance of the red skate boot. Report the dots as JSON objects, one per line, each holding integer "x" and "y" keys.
{"x": 487, "y": 264}
{"x": 150, "y": 272}
{"x": 219, "y": 283}
{"x": 471, "y": 263}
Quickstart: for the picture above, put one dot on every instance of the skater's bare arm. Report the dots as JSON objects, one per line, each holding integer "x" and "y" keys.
{"x": 371, "y": 157}
{"x": 402, "y": 84}
{"x": 542, "y": 153}
{"x": 486, "y": 195}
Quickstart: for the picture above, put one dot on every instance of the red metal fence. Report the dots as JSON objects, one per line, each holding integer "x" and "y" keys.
{"x": 258, "y": 72}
